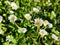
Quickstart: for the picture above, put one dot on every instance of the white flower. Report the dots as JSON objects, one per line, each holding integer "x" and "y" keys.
{"x": 50, "y": 25}
{"x": 8, "y": 38}
{"x": 11, "y": 12}
{"x": 13, "y": 5}
{"x": 42, "y": 32}
{"x": 35, "y": 10}
{"x": 12, "y": 18}
{"x": 54, "y": 37}
{"x": 45, "y": 23}
{"x": 1, "y": 31}
{"x": 48, "y": 0}
{"x": 22, "y": 30}
{"x": 1, "y": 19}
{"x": 38, "y": 22}
{"x": 27, "y": 16}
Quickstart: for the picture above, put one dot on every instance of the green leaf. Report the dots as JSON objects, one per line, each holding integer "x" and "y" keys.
{"x": 6, "y": 43}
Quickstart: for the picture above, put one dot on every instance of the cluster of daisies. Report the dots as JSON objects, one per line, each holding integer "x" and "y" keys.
{"x": 38, "y": 22}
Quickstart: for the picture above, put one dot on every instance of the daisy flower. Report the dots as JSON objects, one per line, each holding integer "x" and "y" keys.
{"x": 54, "y": 37}
{"x": 42, "y": 32}
{"x": 35, "y": 10}
{"x": 22, "y": 30}
{"x": 45, "y": 23}
{"x": 13, "y": 5}
{"x": 27, "y": 16}
{"x": 8, "y": 38}
{"x": 12, "y": 18}
{"x": 38, "y": 22}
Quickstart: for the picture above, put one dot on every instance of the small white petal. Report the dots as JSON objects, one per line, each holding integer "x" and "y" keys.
{"x": 48, "y": 0}
{"x": 35, "y": 10}
{"x": 11, "y": 12}
{"x": 1, "y": 31}
{"x": 1, "y": 19}
{"x": 50, "y": 25}
{"x": 54, "y": 37}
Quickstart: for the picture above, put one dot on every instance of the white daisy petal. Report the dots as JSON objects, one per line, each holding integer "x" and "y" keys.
{"x": 11, "y": 12}
{"x": 1, "y": 31}
{"x": 1, "y": 19}
{"x": 50, "y": 25}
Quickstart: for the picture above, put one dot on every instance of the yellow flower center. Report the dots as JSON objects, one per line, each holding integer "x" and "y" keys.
{"x": 42, "y": 33}
{"x": 13, "y": 6}
{"x": 12, "y": 18}
{"x": 46, "y": 2}
{"x": 27, "y": 17}
{"x": 38, "y": 24}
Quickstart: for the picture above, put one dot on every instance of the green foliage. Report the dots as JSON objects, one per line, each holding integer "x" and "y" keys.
{"x": 47, "y": 11}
